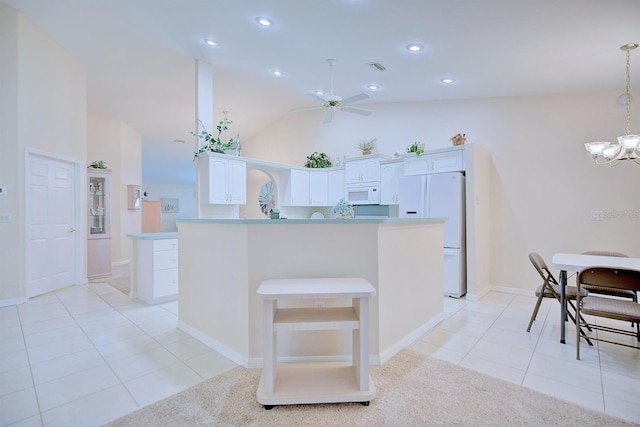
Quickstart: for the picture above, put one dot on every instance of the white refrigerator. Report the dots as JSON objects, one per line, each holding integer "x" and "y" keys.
{"x": 440, "y": 195}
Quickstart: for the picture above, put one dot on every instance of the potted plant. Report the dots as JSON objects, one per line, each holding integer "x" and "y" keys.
{"x": 416, "y": 147}
{"x": 367, "y": 146}
{"x": 318, "y": 160}
{"x": 98, "y": 164}
{"x": 214, "y": 143}
{"x": 275, "y": 213}
{"x": 344, "y": 209}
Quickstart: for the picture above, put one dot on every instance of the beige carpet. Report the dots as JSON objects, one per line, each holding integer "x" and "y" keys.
{"x": 413, "y": 390}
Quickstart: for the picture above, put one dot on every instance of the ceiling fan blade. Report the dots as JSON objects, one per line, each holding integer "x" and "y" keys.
{"x": 328, "y": 115}
{"x": 317, "y": 97}
{"x": 357, "y": 111}
{"x": 355, "y": 98}
{"x": 304, "y": 110}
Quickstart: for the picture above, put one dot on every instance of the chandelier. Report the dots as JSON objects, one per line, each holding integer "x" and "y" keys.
{"x": 628, "y": 145}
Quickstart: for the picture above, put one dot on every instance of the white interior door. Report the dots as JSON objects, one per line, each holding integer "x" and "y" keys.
{"x": 52, "y": 245}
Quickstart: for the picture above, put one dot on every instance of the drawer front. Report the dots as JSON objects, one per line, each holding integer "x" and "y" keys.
{"x": 165, "y": 282}
{"x": 163, "y": 260}
{"x": 165, "y": 244}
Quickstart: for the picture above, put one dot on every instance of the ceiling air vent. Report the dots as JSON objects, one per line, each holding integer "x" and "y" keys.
{"x": 377, "y": 66}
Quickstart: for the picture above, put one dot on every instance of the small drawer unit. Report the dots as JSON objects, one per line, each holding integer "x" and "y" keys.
{"x": 155, "y": 270}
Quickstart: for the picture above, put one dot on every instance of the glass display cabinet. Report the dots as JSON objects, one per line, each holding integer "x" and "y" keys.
{"x": 99, "y": 233}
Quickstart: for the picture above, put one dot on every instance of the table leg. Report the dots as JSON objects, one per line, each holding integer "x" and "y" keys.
{"x": 563, "y": 303}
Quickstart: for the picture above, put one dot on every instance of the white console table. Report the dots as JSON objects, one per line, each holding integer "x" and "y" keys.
{"x": 326, "y": 382}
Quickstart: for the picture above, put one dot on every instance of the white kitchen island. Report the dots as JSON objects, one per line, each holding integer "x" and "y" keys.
{"x": 222, "y": 263}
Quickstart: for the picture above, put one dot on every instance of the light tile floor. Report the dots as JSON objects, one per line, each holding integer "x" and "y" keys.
{"x": 85, "y": 355}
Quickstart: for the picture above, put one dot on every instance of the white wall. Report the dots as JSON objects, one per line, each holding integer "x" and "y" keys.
{"x": 186, "y": 200}
{"x": 544, "y": 184}
{"x": 43, "y": 106}
{"x": 121, "y": 147}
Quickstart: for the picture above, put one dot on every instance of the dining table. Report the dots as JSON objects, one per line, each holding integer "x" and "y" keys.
{"x": 578, "y": 262}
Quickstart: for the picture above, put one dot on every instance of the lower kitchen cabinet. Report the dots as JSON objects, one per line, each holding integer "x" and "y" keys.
{"x": 154, "y": 269}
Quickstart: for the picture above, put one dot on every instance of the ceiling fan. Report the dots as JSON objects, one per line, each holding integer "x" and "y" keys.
{"x": 333, "y": 102}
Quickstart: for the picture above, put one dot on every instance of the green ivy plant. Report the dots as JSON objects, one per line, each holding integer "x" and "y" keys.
{"x": 318, "y": 160}
{"x": 214, "y": 143}
{"x": 98, "y": 164}
{"x": 416, "y": 147}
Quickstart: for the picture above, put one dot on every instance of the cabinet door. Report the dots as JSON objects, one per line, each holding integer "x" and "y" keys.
{"x": 370, "y": 170}
{"x": 336, "y": 190}
{"x": 299, "y": 186}
{"x": 353, "y": 171}
{"x": 417, "y": 165}
{"x": 318, "y": 188}
{"x": 237, "y": 182}
{"x": 450, "y": 161}
{"x": 218, "y": 177}
{"x": 389, "y": 183}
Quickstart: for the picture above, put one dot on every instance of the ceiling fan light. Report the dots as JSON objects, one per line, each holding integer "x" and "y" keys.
{"x": 265, "y": 22}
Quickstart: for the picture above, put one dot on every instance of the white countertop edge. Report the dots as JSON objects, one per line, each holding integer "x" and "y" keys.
{"x": 153, "y": 236}
{"x": 393, "y": 221}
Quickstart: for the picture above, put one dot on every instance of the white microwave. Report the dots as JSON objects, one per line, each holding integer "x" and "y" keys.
{"x": 364, "y": 194}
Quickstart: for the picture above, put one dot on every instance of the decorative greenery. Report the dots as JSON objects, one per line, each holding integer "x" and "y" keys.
{"x": 417, "y": 147}
{"x": 214, "y": 143}
{"x": 318, "y": 160}
{"x": 98, "y": 164}
{"x": 367, "y": 145}
{"x": 343, "y": 208}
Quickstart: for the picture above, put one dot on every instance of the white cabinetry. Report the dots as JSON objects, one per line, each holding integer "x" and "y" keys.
{"x": 318, "y": 188}
{"x": 362, "y": 170}
{"x": 389, "y": 188}
{"x": 223, "y": 180}
{"x": 446, "y": 160}
{"x": 306, "y": 188}
{"x": 335, "y": 187}
{"x": 326, "y": 382}
{"x": 297, "y": 190}
{"x": 99, "y": 233}
{"x": 155, "y": 270}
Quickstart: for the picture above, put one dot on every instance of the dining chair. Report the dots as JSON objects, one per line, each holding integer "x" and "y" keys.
{"x": 607, "y": 290}
{"x": 551, "y": 289}
{"x": 610, "y": 308}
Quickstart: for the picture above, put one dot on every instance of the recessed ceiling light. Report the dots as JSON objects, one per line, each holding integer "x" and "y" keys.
{"x": 415, "y": 47}
{"x": 373, "y": 87}
{"x": 277, "y": 73}
{"x": 447, "y": 80}
{"x": 265, "y": 22}
{"x": 210, "y": 42}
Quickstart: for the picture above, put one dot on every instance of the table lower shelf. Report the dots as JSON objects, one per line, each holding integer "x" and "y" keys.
{"x": 322, "y": 382}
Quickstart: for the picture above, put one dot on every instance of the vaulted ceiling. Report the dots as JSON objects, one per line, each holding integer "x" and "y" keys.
{"x": 140, "y": 54}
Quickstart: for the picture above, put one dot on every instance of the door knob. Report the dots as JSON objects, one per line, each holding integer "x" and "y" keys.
{"x": 72, "y": 230}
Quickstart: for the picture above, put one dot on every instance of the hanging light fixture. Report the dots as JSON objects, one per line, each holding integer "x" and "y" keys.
{"x": 628, "y": 145}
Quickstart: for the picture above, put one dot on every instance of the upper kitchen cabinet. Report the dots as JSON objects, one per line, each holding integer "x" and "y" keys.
{"x": 223, "y": 180}
{"x": 389, "y": 178}
{"x": 297, "y": 189}
{"x": 335, "y": 186}
{"x": 99, "y": 233}
{"x": 306, "y": 187}
{"x": 362, "y": 170}
{"x": 436, "y": 161}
